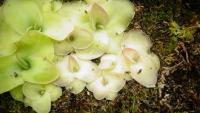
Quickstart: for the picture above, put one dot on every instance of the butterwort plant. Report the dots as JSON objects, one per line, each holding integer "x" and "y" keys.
{"x": 47, "y": 45}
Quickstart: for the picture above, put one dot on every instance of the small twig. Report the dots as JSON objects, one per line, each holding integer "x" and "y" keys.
{"x": 173, "y": 67}
{"x": 166, "y": 71}
{"x": 182, "y": 46}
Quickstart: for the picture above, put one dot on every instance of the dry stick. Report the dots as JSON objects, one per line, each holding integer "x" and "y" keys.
{"x": 182, "y": 45}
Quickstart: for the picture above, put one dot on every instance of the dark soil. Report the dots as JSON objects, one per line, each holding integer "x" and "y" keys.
{"x": 178, "y": 87}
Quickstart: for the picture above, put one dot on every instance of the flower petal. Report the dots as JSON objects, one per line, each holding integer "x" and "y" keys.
{"x": 8, "y": 38}
{"x": 106, "y": 86}
{"x": 99, "y": 90}
{"x": 76, "y": 86}
{"x": 17, "y": 94}
{"x": 113, "y": 64}
{"x": 145, "y": 70}
{"x": 36, "y": 91}
{"x": 119, "y": 21}
{"x": 111, "y": 96}
{"x": 81, "y": 39}
{"x": 98, "y": 16}
{"x": 56, "y": 26}
{"x": 131, "y": 55}
{"x": 97, "y": 49}
{"x": 138, "y": 41}
{"x": 66, "y": 77}
{"x": 54, "y": 91}
{"x": 115, "y": 83}
{"x": 108, "y": 62}
{"x": 86, "y": 71}
{"x": 9, "y": 77}
{"x": 22, "y": 15}
{"x": 42, "y": 105}
{"x": 62, "y": 48}
{"x": 76, "y": 12}
{"x": 95, "y": 1}
{"x": 115, "y": 44}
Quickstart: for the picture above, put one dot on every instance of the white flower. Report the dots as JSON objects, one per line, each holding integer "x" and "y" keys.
{"x": 145, "y": 70}
{"x": 143, "y": 65}
{"x": 99, "y": 19}
{"x": 106, "y": 86}
{"x": 75, "y": 73}
{"x": 113, "y": 64}
{"x": 111, "y": 77}
{"x": 39, "y": 97}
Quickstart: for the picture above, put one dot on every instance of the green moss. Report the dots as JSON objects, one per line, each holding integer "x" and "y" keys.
{"x": 134, "y": 106}
{"x": 181, "y": 33}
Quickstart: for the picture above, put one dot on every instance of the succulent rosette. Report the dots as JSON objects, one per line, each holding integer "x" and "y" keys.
{"x": 49, "y": 44}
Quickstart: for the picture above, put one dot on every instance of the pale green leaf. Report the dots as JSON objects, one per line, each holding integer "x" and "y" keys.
{"x": 9, "y": 74}
{"x": 22, "y": 15}
{"x": 17, "y": 94}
